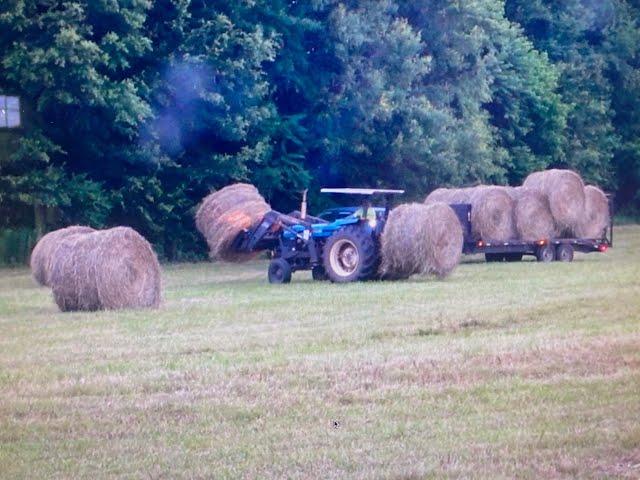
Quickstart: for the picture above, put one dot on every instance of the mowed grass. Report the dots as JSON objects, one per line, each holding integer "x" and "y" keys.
{"x": 501, "y": 371}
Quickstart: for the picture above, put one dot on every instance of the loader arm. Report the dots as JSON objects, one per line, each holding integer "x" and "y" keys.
{"x": 266, "y": 235}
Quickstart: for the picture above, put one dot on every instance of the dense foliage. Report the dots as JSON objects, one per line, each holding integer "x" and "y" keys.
{"x": 133, "y": 110}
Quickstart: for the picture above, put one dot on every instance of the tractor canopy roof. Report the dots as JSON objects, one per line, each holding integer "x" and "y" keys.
{"x": 361, "y": 191}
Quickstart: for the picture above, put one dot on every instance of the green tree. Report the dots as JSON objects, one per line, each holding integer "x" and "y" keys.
{"x": 624, "y": 73}
{"x": 68, "y": 63}
{"x": 502, "y": 91}
{"x": 573, "y": 35}
{"x": 212, "y": 116}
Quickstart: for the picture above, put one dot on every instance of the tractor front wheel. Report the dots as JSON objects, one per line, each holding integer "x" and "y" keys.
{"x": 350, "y": 255}
{"x": 279, "y": 271}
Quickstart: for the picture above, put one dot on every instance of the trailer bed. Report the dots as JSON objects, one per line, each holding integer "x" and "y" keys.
{"x": 544, "y": 250}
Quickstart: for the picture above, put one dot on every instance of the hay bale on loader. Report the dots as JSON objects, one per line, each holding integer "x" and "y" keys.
{"x": 420, "y": 239}
{"x": 44, "y": 250}
{"x": 224, "y": 214}
{"x": 105, "y": 270}
{"x": 533, "y": 217}
{"x": 596, "y": 217}
{"x": 565, "y": 191}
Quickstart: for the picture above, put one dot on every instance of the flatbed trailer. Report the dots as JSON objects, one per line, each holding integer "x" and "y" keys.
{"x": 544, "y": 249}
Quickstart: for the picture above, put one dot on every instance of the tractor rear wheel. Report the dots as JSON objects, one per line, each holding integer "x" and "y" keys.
{"x": 350, "y": 255}
{"x": 279, "y": 271}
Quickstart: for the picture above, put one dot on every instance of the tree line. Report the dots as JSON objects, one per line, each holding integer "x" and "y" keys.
{"x": 133, "y": 110}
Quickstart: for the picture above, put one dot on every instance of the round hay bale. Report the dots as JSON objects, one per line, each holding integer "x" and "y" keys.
{"x": 492, "y": 209}
{"x": 450, "y": 195}
{"x": 532, "y": 215}
{"x": 420, "y": 239}
{"x": 73, "y": 278}
{"x": 492, "y": 214}
{"x": 222, "y": 200}
{"x": 42, "y": 253}
{"x": 106, "y": 270}
{"x": 225, "y": 214}
{"x": 596, "y": 214}
{"x": 565, "y": 191}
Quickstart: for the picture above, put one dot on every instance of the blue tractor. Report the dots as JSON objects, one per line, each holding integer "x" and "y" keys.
{"x": 342, "y": 247}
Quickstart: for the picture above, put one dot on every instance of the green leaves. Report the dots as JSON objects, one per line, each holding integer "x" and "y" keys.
{"x": 134, "y": 110}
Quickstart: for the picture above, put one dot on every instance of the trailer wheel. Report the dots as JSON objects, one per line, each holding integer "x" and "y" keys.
{"x": 513, "y": 257}
{"x": 546, "y": 253}
{"x": 350, "y": 255}
{"x": 279, "y": 271}
{"x": 318, "y": 273}
{"x": 493, "y": 257}
{"x": 564, "y": 253}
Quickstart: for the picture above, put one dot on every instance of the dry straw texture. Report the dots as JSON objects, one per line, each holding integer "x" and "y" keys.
{"x": 565, "y": 191}
{"x": 420, "y": 239}
{"x": 492, "y": 214}
{"x": 492, "y": 210}
{"x": 596, "y": 215}
{"x": 533, "y": 215}
{"x": 106, "y": 270}
{"x": 224, "y": 214}
{"x": 42, "y": 253}
{"x": 450, "y": 195}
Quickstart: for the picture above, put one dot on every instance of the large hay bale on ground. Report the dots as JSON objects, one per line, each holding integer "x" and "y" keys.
{"x": 420, "y": 239}
{"x": 42, "y": 253}
{"x": 565, "y": 191}
{"x": 224, "y": 214}
{"x": 532, "y": 215}
{"x": 596, "y": 214}
{"x": 492, "y": 214}
{"x": 105, "y": 270}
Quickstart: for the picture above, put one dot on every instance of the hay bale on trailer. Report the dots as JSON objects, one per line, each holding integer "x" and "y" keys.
{"x": 565, "y": 191}
{"x": 492, "y": 214}
{"x": 532, "y": 213}
{"x": 105, "y": 270}
{"x": 596, "y": 217}
{"x": 450, "y": 195}
{"x": 420, "y": 239}
{"x": 492, "y": 209}
{"x": 42, "y": 253}
{"x": 224, "y": 214}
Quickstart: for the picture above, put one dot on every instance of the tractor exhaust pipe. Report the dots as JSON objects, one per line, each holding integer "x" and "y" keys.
{"x": 303, "y": 207}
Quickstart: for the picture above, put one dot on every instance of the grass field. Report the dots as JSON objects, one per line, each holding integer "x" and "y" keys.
{"x": 503, "y": 370}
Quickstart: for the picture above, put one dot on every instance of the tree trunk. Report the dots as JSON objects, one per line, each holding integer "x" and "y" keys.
{"x": 40, "y": 219}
